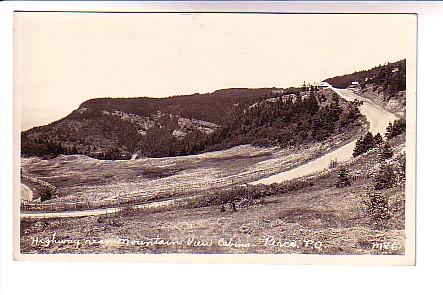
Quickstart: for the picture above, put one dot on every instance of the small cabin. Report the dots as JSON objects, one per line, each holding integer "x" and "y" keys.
{"x": 354, "y": 84}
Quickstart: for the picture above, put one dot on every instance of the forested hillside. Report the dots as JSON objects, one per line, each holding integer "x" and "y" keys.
{"x": 117, "y": 128}
{"x": 199, "y": 106}
{"x": 391, "y": 77}
{"x": 309, "y": 116}
{"x": 110, "y": 127}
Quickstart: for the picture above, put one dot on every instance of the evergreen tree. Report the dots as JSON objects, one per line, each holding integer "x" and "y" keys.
{"x": 386, "y": 152}
{"x": 358, "y": 147}
{"x": 384, "y": 177}
{"x": 377, "y": 206}
{"x": 388, "y": 131}
{"x": 398, "y": 127}
{"x": 369, "y": 141}
{"x": 378, "y": 138}
{"x": 311, "y": 104}
{"x": 343, "y": 178}
{"x": 334, "y": 112}
{"x": 364, "y": 144}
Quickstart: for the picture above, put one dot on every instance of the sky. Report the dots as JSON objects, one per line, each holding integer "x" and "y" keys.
{"x": 64, "y": 59}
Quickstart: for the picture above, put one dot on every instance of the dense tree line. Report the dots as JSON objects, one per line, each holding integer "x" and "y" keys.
{"x": 283, "y": 122}
{"x": 196, "y": 105}
{"x": 397, "y": 128}
{"x": 280, "y": 121}
{"x": 368, "y": 142}
{"x": 89, "y": 132}
{"x": 391, "y": 77}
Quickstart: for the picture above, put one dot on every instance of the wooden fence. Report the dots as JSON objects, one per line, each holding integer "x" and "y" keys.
{"x": 138, "y": 198}
{"x": 84, "y": 205}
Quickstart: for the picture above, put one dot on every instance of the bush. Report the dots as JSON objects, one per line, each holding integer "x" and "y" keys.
{"x": 384, "y": 177}
{"x": 386, "y": 152}
{"x": 333, "y": 164}
{"x": 47, "y": 194}
{"x": 378, "y": 138}
{"x": 395, "y": 129}
{"x": 401, "y": 168}
{"x": 364, "y": 144}
{"x": 377, "y": 205}
{"x": 343, "y": 178}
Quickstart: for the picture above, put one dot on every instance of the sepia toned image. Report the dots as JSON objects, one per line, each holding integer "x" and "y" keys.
{"x": 215, "y": 133}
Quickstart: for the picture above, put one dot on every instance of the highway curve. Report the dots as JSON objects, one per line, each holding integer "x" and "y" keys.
{"x": 378, "y": 119}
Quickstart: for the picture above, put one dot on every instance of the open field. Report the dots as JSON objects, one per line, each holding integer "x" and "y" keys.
{"x": 205, "y": 203}
{"x": 82, "y": 179}
{"x": 332, "y": 218}
{"x": 318, "y": 218}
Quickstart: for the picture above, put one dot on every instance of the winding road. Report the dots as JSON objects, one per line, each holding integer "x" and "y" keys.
{"x": 377, "y": 117}
{"x": 101, "y": 211}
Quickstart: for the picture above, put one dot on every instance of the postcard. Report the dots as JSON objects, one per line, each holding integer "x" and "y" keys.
{"x": 283, "y": 138}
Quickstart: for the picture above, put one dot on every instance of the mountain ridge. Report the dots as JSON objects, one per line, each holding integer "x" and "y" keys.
{"x": 116, "y": 128}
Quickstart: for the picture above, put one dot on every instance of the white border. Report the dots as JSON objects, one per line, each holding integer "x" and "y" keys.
{"x": 28, "y": 277}
{"x": 407, "y": 259}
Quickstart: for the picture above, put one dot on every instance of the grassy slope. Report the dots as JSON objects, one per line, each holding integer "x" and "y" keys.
{"x": 321, "y": 213}
{"x": 335, "y": 217}
{"x": 80, "y": 177}
{"x": 332, "y": 216}
{"x": 395, "y": 104}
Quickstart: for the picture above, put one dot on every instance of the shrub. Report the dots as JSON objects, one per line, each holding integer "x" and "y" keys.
{"x": 343, "y": 178}
{"x": 384, "y": 177}
{"x": 386, "y": 152}
{"x": 364, "y": 144}
{"x": 47, "y": 194}
{"x": 395, "y": 129}
{"x": 378, "y": 138}
{"x": 399, "y": 167}
{"x": 333, "y": 164}
{"x": 377, "y": 205}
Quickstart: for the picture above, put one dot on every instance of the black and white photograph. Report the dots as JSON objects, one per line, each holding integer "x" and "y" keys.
{"x": 281, "y": 137}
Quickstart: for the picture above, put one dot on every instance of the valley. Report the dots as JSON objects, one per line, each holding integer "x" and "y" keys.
{"x": 281, "y": 175}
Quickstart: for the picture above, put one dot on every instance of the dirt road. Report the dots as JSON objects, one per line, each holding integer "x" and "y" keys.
{"x": 102, "y": 211}
{"x": 378, "y": 119}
